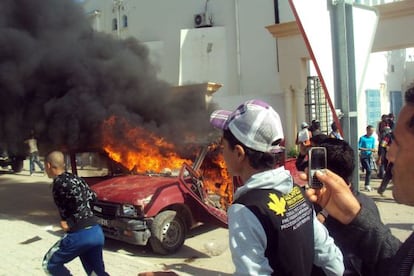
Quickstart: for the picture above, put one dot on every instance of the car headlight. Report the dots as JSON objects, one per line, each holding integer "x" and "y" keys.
{"x": 129, "y": 210}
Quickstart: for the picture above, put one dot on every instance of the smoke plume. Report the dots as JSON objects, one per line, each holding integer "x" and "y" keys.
{"x": 61, "y": 79}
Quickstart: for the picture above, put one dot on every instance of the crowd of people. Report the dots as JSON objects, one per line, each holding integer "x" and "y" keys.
{"x": 366, "y": 145}
{"x": 264, "y": 237}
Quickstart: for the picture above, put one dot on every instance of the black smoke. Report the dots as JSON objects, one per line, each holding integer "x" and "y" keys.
{"x": 61, "y": 79}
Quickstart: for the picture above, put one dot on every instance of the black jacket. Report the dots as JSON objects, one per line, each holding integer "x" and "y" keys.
{"x": 382, "y": 253}
{"x": 354, "y": 265}
{"x": 290, "y": 247}
{"x": 74, "y": 198}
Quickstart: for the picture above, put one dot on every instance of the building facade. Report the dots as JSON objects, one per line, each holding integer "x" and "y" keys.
{"x": 195, "y": 41}
{"x": 227, "y": 42}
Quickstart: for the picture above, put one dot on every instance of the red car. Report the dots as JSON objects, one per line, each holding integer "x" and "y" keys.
{"x": 155, "y": 208}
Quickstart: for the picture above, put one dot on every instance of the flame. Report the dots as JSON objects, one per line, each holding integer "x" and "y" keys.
{"x": 142, "y": 151}
{"x": 216, "y": 177}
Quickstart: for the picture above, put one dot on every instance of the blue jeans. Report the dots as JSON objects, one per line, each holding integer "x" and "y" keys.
{"x": 87, "y": 244}
{"x": 366, "y": 164}
{"x": 34, "y": 159}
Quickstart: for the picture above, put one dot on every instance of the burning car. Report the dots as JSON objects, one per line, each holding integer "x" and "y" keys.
{"x": 152, "y": 196}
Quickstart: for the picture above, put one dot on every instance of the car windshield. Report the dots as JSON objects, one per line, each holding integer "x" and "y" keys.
{"x": 89, "y": 164}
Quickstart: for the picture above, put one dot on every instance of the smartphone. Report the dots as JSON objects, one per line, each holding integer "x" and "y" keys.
{"x": 317, "y": 161}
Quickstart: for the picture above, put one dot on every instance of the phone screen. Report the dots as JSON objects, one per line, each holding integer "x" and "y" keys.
{"x": 317, "y": 161}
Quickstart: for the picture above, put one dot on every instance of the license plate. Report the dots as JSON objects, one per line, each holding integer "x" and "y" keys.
{"x": 103, "y": 222}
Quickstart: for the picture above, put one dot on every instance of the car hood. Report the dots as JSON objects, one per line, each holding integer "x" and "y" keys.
{"x": 130, "y": 188}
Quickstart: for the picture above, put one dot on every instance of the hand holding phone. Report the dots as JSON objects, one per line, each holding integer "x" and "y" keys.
{"x": 317, "y": 161}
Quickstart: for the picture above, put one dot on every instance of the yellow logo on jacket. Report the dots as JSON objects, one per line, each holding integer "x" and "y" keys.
{"x": 276, "y": 204}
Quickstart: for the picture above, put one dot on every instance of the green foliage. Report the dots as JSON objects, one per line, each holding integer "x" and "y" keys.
{"x": 293, "y": 152}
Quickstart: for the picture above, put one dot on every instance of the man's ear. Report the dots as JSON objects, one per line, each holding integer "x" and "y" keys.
{"x": 241, "y": 154}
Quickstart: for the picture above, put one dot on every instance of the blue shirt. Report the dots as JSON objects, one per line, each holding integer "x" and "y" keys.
{"x": 367, "y": 142}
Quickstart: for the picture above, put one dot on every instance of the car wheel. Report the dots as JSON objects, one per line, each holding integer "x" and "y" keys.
{"x": 167, "y": 232}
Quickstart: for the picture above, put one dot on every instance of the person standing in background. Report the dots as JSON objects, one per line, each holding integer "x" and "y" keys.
{"x": 366, "y": 145}
{"x": 387, "y": 166}
{"x": 391, "y": 122}
{"x": 304, "y": 135}
{"x": 380, "y": 132}
{"x": 316, "y": 128}
{"x": 335, "y": 132}
{"x": 34, "y": 153}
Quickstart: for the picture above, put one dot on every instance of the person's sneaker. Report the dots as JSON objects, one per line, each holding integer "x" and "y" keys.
{"x": 380, "y": 193}
{"x": 368, "y": 189}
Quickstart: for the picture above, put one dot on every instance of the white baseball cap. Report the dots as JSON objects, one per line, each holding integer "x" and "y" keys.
{"x": 254, "y": 123}
{"x": 304, "y": 124}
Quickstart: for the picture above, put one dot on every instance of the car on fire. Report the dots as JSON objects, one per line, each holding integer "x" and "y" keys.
{"x": 154, "y": 208}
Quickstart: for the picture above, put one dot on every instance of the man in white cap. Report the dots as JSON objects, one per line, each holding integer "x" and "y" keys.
{"x": 303, "y": 138}
{"x": 272, "y": 226}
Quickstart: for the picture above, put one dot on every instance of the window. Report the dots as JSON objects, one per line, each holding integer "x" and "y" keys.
{"x": 373, "y": 104}
{"x": 91, "y": 164}
{"x": 114, "y": 24}
{"x": 124, "y": 21}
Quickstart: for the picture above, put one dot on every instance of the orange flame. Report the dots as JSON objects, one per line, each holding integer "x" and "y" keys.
{"x": 216, "y": 177}
{"x": 143, "y": 151}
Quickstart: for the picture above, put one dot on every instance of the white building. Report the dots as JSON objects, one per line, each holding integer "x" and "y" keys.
{"x": 237, "y": 51}
{"x": 228, "y": 43}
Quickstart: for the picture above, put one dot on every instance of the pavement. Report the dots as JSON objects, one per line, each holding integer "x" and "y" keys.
{"x": 398, "y": 217}
{"x": 29, "y": 226}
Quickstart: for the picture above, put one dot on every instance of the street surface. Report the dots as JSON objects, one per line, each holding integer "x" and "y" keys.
{"x": 29, "y": 226}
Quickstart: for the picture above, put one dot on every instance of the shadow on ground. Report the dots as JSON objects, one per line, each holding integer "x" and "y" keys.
{"x": 185, "y": 268}
{"x": 182, "y": 260}
{"x": 185, "y": 251}
{"x": 28, "y": 199}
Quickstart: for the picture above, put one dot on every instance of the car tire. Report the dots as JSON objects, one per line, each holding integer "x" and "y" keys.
{"x": 168, "y": 232}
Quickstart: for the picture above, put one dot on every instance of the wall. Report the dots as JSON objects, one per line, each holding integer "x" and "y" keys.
{"x": 203, "y": 55}
{"x": 393, "y": 16}
{"x": 251, "y": 58}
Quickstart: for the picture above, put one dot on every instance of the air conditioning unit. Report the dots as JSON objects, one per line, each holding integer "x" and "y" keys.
{"x": 203, "y": 20}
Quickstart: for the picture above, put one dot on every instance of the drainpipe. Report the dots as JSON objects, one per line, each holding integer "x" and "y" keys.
{"x": 238, "y": 57}
{"x": 118, "y": 5}
{"x": 289, "y": 121}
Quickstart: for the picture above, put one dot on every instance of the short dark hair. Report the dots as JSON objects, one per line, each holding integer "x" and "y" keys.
{"x": 369, "y": 127}
{"x": 340, "y": 157}
{"x": 318, "y": 138}
{"x": 409, "y": 95}
{"x": 316, "y": 124}
{"x": 257, "y": 159}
